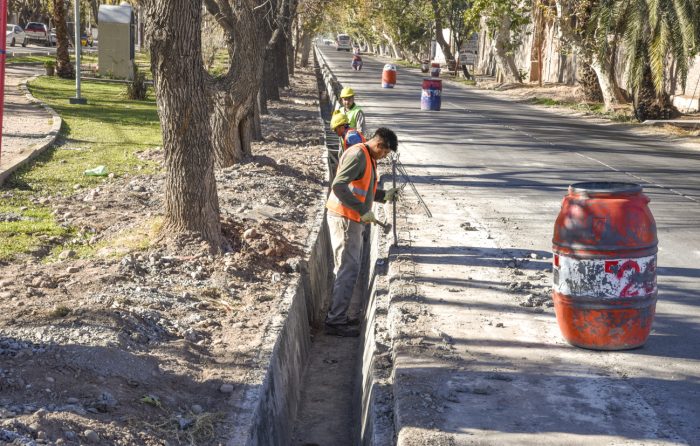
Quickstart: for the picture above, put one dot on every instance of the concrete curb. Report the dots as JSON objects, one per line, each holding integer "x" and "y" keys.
{"x": 36, "y": 149}
{"x": 268, "y": 409}
{"x": 374, "y": 396}
{"x": 375, "y": 380}
{"x": 265, "y": 414}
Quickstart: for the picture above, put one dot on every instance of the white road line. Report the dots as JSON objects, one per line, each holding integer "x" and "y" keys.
{"x": 534, "y": 138}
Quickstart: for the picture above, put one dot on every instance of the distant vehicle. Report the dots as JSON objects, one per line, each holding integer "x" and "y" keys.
{"x": 343, "y": 42}
{"x": 15, "y": 35}
{"x": 327, "y": 42}
{"x": 39, "y": 33}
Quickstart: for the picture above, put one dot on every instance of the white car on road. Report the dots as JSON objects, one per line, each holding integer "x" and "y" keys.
{"x": 15, "y": 35}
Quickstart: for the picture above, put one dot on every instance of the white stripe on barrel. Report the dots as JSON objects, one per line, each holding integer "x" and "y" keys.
{"x": 605, "y": 278}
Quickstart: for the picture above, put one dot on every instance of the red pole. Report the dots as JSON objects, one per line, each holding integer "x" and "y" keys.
{"x": 3, "y": 57}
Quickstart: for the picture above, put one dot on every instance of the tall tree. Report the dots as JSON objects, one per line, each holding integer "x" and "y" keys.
{"x": 200, "y": 113}
{"x": 182, "y": 93}
{"x": 245, "y": 24}
{"x": 450, "y": 14}
{"x": 505, "y": 21}
{"x": 439, "y": 35}
{"x": 656, "y": 34}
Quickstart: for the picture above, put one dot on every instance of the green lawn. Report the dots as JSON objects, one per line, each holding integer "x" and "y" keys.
{"x": 108, "y": 131}
{"x": 595, "y": 108}
{"x": 29, "y": 59}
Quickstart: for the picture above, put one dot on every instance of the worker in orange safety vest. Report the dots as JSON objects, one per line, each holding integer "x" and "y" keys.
{"x": 349, "y": 204}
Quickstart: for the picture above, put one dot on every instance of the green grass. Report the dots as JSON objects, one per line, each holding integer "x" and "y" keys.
{"x": 108, "y": 131}
{"x": 594, "y": 108}
{"x": 407, "y": 64}
{"x": 29, "y": 59}
{"x": 548, "y": 102}
{"x": 464, "y": 81}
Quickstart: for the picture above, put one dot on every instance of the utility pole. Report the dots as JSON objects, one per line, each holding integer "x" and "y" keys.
{"x": 78, "y": 47}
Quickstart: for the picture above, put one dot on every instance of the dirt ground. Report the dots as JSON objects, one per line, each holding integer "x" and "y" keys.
{"x": 573, "y": 94}
{"x": 153, "y": 346}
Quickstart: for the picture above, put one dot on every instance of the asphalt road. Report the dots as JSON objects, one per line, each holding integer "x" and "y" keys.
{"x": 511, "y": 164}
{"x": 39, "y": 50}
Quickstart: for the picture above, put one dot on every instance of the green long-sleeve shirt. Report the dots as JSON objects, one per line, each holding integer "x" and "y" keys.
{"x": 351, "y": 168}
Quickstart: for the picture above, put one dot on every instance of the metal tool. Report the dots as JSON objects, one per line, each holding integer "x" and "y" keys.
{"x": 385, "y": 226}
{"x": 394, "y": 159}
{"x": 404, "y": 174}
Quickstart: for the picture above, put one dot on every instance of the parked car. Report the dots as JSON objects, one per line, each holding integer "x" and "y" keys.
{"x": 343, "y": 42}
{"x": 39, "y": 33}
{"x": 15, "y": 35}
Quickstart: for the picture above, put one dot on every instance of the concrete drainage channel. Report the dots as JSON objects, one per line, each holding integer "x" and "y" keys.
{"x": 346, "y": 397}
{"x": 317, "y": 390}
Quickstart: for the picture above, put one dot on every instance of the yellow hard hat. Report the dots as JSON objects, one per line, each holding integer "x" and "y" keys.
{"x": 338, "y": 119}
{"x": 347, "y": 92}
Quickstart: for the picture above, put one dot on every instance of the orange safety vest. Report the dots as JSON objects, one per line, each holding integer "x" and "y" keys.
{"x": 359, "y": 188}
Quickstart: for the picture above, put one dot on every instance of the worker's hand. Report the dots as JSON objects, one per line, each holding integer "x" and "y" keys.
{"x": 368, "y": 217}
{"x": 392, "y": 194}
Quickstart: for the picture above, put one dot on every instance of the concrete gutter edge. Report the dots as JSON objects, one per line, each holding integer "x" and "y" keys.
{"x": 49, "y": 139}
{"x": 376, "y": 398}
{"x": 265, "y": 415}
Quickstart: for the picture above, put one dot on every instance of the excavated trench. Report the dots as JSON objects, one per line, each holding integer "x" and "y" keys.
{"x": 340, "y": 385}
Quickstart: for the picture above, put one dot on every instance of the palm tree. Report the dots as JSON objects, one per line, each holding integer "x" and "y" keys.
{"x": 656, "y": 34}
{"x": 64, "y": 68}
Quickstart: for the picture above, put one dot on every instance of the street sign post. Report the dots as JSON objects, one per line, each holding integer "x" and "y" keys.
{"x": 3, "y": 58}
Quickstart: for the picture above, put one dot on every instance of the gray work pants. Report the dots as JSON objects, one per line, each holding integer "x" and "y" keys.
{"x": 346, "y": 242}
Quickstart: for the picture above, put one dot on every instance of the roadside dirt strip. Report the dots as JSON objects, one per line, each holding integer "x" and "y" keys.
{"x": 478, "y": 358}
{"x": 116, "y": 341}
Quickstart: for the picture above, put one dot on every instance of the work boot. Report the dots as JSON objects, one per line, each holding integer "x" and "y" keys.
{"x": 346, "y": 331}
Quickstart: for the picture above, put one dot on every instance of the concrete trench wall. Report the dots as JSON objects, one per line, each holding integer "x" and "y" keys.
{"x": 373, "y": 380}
{"x": 266, "y": 413}
{"x": 264, "y": 416}
{"x": 374, "y": 398}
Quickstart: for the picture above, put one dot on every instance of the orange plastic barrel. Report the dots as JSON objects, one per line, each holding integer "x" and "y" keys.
{"x": 389, "y": 76}
{"x": 604, "y": 266}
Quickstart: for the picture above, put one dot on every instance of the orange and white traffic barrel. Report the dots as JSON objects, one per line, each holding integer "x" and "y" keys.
{"x": 389, "y": 76}
{"x": 604, "y": 266}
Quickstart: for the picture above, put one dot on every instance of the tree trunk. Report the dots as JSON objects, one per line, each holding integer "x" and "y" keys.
{"x": 608, "y": 88}
{"x": 94, "y": 7}
{"x": 650, "y": 104}
{"x": 64, "y": 68}
{"x": 281, "y": 70}
{"x": 257, "y": 125}
{"x": 272, "y": 93}
{"x": 226, "y": 118}
{"x": 292, "y": 43}
{"x": 234, "y": 94}
{"x": 393, "y": 48}
{"x": 305, "y": 49}
{"x": 504, "y": 58}
{"x": 466, "y": 73}
{"x": 261, "y": 102}
{"x": 439, "y": 37}
{"x": 589, "y": 83}
{"x": 290, "y": 59}
{"x": 191, "y": 199}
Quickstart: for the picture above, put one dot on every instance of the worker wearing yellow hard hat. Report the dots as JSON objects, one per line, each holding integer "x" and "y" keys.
{"x": 349, "y": 108}
{"x": 348, "y": 136}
